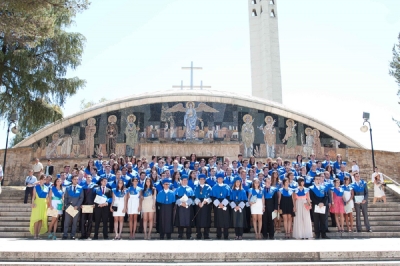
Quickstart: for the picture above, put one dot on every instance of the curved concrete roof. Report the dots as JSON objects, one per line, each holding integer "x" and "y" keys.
{"x": 189, "y": 95}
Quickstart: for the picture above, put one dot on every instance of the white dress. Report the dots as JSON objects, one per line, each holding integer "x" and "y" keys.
{"x": 257, "y": 208}
{"x": 133, "y": 204}
{"x": 378, "y": 191}
{"x": 349, "y": 206}
{"x": 119, "y": 202}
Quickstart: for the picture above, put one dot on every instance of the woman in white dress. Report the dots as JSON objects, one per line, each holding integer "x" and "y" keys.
{"x": 379, "y": 193}
{"x": 348, "y": 196}
{"x": 56, "y": 196}
{"x": 133, "y": 203}
{"x": 118, "y": 208}
{"x": 302, "y": 228}
{"x": 256, "y": 200}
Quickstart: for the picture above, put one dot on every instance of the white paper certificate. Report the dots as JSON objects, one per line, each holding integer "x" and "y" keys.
{"x": 358, "y": 199}
{"x": 319, "y": 209}
{"x": 100, "y": 200}
{"x": 274, "y": 214}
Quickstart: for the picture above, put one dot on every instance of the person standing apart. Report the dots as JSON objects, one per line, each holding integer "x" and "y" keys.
{"x": 256, "y": 200}
{"x": 73, "y": 197}
{"x": 134, "y": 207}
{"x": 337, "y": 207}
{"x": 148, "y": 204}
{"x": 56, "y": 199}
{"x": 38, "y": 221}
{"x": 348, "y": 196}
{"x": 118, "y": 208}
{"x": 30, "y": 182}
{"x": 37, "y": 168}
{"x": 286, "y": 204}
{"x": 102, "y": 210}
{"x": 379, "y": 186}
{"x": 361, "y": 202}
{"x": 1, "y": 177}
{"x": 166, "y": 201}
{"x": 302, "y": 228}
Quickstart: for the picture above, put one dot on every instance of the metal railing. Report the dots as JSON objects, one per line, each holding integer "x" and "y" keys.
{"x": 394, "y": 182}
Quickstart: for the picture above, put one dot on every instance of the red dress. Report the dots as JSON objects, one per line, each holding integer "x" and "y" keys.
{"x": 338, "y": 206}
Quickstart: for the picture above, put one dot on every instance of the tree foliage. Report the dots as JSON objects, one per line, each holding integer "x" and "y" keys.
{"x": 85, "y": 104}
{"x": 35, "y": 54}
{"x": 395, "y": 64}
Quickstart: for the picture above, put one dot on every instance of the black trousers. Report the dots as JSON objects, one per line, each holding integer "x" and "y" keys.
{"x": 319, "y": 224}
{"x": 268, "y": 229}
{"x": 101, "y": 214}
{"x": 219, "y": 232}
{"x": 162, "y": 236}
{"x": 239, "y": 231}
{"x": 206, "y": 233}
{"x": 188, "y": 231}
{"x": 28, "y": 191}
{"x": 86, "y": 224}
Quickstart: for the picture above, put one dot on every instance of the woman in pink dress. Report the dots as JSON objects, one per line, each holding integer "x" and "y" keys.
{"x": 337, "y": 193}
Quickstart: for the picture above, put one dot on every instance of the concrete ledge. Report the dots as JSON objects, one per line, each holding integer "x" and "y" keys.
{"x": 14, "y": 250}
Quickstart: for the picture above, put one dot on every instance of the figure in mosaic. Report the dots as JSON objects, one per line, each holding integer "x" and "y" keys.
{"x": 248, "y": 135}
{"x": 291, "y": 135}
{"x": 131, "y": 131}
{"x": 66, "y": 146}
{"x": 190, "y": 118}
{"x": 51, "y": 149}
{"x": 112, "y": 132}
{"x": 269, "y": 132}
{"x": 90, "y": 130}
{"x": 308, "y": 147}
{"x": 317, "y": 142}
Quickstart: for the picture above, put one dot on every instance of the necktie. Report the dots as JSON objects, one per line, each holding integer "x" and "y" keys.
{"x": 267, "y": 189}
{"x": 74, "y": 189}
{"x": 103, "y": 190}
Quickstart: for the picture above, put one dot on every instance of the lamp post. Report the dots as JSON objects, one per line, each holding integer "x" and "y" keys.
{"x": 12, "y": 120}
{"x": 364, "y": 129}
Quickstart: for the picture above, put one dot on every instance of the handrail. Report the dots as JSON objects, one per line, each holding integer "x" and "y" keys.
{"x": 396, "y": 183}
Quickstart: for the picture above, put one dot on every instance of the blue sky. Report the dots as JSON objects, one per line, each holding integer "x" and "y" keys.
{"x": 334, "y": 55}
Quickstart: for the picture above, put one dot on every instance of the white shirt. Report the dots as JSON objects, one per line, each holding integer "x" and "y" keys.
{"x": 30, "y": 180}
{"x": 380, "y": 177}
{"x": 355, "y": 168}
{"x": 37, "y": 167}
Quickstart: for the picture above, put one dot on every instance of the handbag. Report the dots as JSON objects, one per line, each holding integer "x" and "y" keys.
{"x": 115, "y": 208}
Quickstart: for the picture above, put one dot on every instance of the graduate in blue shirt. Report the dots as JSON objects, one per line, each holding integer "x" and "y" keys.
{"x": 338, "y": 163}
{"x": 256, "y": 200}
{"x": 220, "y": 196}
{"x": 166, "y": 201}
{"x": 319, "y": 196}
{"x": 238, "y": 198}
{"x": 203, "y": 207}
{"x": 342, "y": 174}
{"x": 184, "y": 211}
{"x": 360, "y": 188}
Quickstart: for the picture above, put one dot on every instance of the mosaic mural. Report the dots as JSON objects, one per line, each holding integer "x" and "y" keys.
{"x": 258, "y": 133}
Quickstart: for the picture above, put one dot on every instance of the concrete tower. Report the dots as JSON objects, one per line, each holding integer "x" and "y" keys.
{"x": 264, "y": 49}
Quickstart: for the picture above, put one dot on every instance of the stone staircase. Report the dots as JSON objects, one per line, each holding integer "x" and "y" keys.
{"x": 14, "y": 219}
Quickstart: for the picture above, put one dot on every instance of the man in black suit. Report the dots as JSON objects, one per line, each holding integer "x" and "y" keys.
{"x": 87, "y": 218}
{"x": 271, "y": 205}
{"x": 319, "y": 196}
{"x": 102, "y": 211}
{"x": 49, "y": 169}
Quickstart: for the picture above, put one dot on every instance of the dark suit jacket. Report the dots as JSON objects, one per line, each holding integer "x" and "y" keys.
{"x": 75, "y": 201}
{"x": 89, "y": 195}
{"x": 51, "y": 169}
{"x": 107, "y": 193}
{"x": 272, "y": 203}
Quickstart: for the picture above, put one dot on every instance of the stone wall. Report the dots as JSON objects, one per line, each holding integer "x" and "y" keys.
{"x": 19, "y": 160}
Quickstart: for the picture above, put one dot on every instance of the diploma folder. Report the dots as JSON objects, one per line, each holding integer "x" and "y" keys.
{"x": 71, "y": 211}
{"x": 100, "y": 199}
{"x": 87, "y": 208}
{"x": 52, "y": 212}
{"x": 319, "y": 209}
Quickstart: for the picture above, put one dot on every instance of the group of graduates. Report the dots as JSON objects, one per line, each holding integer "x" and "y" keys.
{"x": 184, "y": 193}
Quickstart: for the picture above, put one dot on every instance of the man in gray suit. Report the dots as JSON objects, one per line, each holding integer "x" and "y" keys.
{"x": 73, "y": 197}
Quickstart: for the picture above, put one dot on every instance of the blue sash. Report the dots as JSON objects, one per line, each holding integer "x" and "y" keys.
{"x": 301, "y": 192}
{"x": 318, "y": 192}
{"x": 119, "y": 193}
{"x": 254, "y": 193}
{"x": 270, "y": 193}
{"x": 339, "y": 192}
{"x": 75, "y": 194}
{"x": 42, "y": 193}
{"x": 134, "y": 191}
{"x": 57, "y": 193}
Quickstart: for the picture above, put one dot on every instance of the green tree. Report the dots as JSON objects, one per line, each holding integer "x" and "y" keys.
{"x": 85, "y": 104}
{"x": 34, "y": 62}
{"x": 395, "y": 64}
